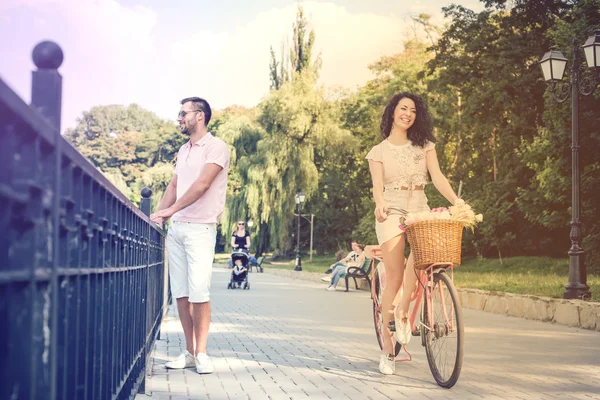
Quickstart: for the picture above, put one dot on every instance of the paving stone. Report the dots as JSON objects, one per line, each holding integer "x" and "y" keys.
{"x": 288, "y": 338}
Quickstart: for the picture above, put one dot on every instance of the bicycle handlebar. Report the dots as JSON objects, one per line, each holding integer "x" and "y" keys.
{"x": 402, "y": 211}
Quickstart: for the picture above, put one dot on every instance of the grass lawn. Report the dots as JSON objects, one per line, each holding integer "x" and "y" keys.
{"x": 318, "y": 264}
{"x": 222, "y": 258}
{"x": 540, "y": 276}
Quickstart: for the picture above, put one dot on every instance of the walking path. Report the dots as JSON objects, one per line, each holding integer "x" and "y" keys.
{"x": 287, "y": 339}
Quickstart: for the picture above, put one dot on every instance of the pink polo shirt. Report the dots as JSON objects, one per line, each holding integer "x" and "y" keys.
{"x": 190, "y": 161}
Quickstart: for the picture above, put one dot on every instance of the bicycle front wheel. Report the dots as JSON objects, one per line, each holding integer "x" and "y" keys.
{"x": 444, "y": 330}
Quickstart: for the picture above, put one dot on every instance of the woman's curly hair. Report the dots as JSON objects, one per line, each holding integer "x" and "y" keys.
{"x": 421, "y": 131}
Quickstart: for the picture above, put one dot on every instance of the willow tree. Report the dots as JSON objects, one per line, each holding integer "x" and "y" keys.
{"x": 273, "y": 157}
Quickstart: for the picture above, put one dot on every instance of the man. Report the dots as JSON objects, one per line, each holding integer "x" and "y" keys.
{"x": 195, "y": 199}
{"x": 352, "y": 258}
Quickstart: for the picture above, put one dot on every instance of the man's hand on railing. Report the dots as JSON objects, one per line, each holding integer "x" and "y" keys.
{"x": 161, "y": 216}
{"x": 157, "y": 221}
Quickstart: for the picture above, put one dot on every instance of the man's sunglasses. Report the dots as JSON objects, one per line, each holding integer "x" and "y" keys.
{"x": 184, "y": 113}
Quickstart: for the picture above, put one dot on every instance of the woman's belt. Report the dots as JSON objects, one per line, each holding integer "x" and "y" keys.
{"x": 420, "y": 187}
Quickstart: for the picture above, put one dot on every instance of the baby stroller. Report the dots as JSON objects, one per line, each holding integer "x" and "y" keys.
{"x": 239, "y": 277}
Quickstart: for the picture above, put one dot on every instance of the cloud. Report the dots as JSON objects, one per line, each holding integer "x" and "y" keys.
{"x": 116, "y": 54}
{"x": 233, "y": 67}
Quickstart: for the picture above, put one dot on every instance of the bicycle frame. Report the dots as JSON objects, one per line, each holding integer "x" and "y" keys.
{"x": 425, "y": 280}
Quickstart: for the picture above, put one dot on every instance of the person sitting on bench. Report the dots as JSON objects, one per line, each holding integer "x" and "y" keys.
{"x": 353, "y": 259}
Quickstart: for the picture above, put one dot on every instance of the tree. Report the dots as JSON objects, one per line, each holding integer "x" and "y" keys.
{"x": 274, "y": 157}
{"x": 546, "y": 199}
{"x": 125, "y": 142}
{"x": 303, "y": 40}
{"x": 300, "y": 55}
{"x": 274, "y": 68}
{"x": 488, "y": 58}
{"x": 362, "y": 116}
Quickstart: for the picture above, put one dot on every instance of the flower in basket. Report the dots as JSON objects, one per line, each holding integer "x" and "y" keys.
{"x": 460, "y": 212}
{"x": 463, "y": 212}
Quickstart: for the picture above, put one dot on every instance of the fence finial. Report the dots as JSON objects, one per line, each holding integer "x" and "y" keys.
{"x": 145, "y": 203}
{"x": 47, "y": 55}
{"x": 146, "y": 192}
{"x": 46, "y": 85}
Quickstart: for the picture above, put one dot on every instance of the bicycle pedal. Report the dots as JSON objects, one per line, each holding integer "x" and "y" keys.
{"x": 392, "y": 326}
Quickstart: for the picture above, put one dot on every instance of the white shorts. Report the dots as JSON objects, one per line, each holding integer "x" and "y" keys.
{"x": 191, "y": 250}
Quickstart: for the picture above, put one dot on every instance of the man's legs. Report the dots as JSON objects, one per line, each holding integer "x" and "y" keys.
{"x": 178, "y": 272}
{"x": 335, "y": 276}
{"x": 185, "y": 316}
{"x": 201, "y": 325}
{"x": 200, "y": 249}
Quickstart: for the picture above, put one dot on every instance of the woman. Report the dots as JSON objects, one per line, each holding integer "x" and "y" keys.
{"x": 399, "y": 167}
{"x": 240, "y": 239}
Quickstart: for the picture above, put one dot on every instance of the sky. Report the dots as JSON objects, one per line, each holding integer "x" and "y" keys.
{"x": 156, "y": 52}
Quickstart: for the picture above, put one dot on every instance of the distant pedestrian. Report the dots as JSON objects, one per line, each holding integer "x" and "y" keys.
{"x": 240, "y": 238}
{"x": 353, "y": 259}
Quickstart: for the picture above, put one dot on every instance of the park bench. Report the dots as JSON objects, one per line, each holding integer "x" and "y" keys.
{"x": 360, "y": 272}
{"x": 258, "y": 265}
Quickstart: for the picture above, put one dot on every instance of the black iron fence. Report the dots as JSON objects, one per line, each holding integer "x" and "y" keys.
{"x": 82, "y": 274}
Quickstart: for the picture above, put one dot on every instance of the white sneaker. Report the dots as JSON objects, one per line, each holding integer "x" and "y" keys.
{"x": 326, "y": 279}
{"x": 203, "y": 364}
{"x": 387, "y": 364}
{"x": 403, "y": 332}
{"x": 331, "y": 288}
{"x": 185, "y": 360}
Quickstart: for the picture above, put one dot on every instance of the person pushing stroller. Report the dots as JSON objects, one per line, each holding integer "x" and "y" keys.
{"x": 240, "y": 238}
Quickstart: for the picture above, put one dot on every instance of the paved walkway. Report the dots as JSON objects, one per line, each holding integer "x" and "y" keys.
{"x": 291, "y": 339}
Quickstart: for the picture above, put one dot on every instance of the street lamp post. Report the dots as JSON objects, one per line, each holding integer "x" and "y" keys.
{"x": 553, "y": 66}
{"x": 300, "y": 197}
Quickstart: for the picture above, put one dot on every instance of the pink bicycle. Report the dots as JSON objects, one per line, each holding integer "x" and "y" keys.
{"x": 436, "y": 317}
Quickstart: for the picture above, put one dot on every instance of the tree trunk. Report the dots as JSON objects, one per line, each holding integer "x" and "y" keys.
{"x": 262, "y": 240}
{"x": 459, "y": 134}
{"x": 493, "y": 146}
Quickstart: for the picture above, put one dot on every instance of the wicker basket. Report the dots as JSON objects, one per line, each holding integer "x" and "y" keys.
{"x": 435, "y": 241}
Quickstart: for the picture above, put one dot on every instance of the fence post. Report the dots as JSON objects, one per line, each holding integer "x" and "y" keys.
{"x": 145, "y": 202}
{"x": 46, "y": 82}
{"x": 46, "y": 98}
{"x": 145, "y": 207}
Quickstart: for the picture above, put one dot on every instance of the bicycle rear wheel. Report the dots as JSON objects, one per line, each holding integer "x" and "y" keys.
{"x": 444, "y": 333}
{"x": 377, "y": 315}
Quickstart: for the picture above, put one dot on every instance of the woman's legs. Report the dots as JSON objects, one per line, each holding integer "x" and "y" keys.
{"x": 393, "y": 258}
{"x": 410, "y": 280}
